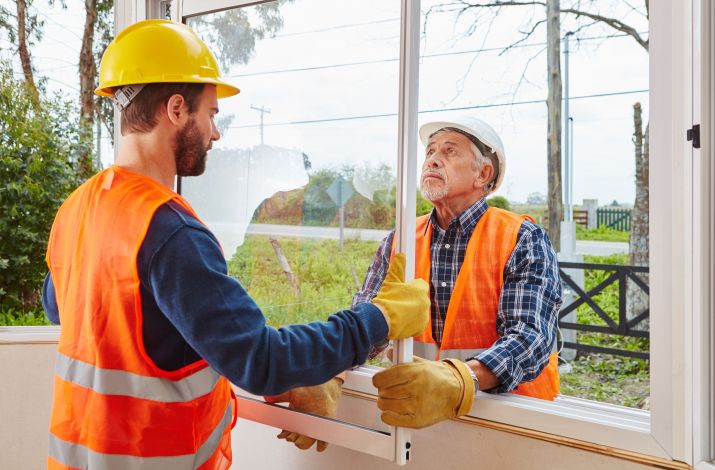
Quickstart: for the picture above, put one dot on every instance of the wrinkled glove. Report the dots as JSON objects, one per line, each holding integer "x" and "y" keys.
{"x": 406, "y": 305}
{"x": 319, "y": 399}
{"x": 422, "y": 393}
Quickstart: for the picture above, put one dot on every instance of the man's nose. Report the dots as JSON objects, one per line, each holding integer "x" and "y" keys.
{"x": 215, "y": 134}
{"x": 432, "y": 161}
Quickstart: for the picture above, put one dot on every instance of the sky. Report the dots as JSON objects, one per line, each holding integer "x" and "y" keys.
{"x": 332, "y": 72}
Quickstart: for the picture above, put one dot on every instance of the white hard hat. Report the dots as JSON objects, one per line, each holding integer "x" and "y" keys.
{"x": 478, "y": 129}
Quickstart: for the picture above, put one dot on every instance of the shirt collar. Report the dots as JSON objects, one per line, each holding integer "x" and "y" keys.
{"x": 466, "y": 221}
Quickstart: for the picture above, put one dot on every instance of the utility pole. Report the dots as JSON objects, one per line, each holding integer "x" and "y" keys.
{"x": 263, "y": 111}
{"x": 567, "y": 128}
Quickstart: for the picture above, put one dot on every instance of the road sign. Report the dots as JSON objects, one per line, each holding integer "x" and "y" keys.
{"x": 340, "y": 191}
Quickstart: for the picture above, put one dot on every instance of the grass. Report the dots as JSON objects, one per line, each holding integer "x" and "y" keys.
{"x": 602, "y": 233}
{"x": 325, "y": 274}
{"x": 603, "y": 377}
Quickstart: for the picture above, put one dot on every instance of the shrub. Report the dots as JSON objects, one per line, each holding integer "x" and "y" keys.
{"x": 38, "y": 145}
{"x": 500, "y": 202}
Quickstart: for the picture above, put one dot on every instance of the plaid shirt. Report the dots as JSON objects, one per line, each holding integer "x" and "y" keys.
{"x": 528, "y": 306}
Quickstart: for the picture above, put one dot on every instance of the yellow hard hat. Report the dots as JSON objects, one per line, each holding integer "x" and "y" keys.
{"x": 159, "y": 51}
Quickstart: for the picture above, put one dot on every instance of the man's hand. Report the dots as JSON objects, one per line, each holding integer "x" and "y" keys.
{"x": 421, "y": 393}
{"x": 319, "y": 399}
{"x": 405, "y": 305}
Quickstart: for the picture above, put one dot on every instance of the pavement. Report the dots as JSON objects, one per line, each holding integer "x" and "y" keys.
{"x": 584, "y": 247}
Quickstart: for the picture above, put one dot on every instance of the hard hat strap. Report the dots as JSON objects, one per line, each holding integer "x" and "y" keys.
{"x": 124, "y": 95}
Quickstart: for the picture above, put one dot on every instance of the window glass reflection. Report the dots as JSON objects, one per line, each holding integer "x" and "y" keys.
{"x": 301, "y": 186}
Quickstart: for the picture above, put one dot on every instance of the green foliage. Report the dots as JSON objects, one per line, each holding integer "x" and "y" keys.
{"x": 536, "y": 212}
{"x": 500, "y": 202}
{"x": 602, "y": 233}
{"x": 12, "y": 317}
{"x": 424, "y": 206}
{"x": 37, "y": 146}
{"x": 232, "y": 34}
{"x": 325, "y": 274}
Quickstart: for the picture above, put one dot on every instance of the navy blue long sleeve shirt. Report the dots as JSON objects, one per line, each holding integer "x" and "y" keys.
{"x": 193, "y": 309}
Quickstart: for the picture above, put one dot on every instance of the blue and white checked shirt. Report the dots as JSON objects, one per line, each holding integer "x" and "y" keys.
{"x": 529, "y": 302}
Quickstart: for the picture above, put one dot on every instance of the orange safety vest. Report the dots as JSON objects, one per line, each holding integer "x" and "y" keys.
{"x": 112, "y": 406}
{"x": 470, "y": 324}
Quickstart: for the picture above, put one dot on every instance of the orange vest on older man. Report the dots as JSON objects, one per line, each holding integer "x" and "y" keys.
{"x": 470, "y": 324}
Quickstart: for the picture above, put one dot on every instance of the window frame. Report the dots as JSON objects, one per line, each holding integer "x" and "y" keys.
{"x": 680, "y": 425}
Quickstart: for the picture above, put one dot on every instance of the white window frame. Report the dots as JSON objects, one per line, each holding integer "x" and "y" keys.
{"x": 682, "y": 245}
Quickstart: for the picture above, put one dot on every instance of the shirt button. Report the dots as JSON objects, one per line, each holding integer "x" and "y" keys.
{"x": 447, "y": 246}
{"x": 444, "y": 284}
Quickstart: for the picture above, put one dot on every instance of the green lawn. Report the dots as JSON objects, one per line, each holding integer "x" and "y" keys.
{"x": 602, "y": 234}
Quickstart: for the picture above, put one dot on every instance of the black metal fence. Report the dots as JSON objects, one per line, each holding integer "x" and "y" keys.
{"x": 623, "y": 327}
{"x": 615, "y": 218}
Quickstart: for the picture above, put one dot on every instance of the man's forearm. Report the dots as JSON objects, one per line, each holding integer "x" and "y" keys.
{"x": 487, "y": 379}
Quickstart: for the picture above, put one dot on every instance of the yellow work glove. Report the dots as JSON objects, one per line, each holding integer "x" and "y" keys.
{"x": 406, "y": 305}
{"x": 319, "y": 399}
{"x": 422, "y": 393}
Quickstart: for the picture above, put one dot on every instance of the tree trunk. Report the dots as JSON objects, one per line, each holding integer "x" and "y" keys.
{"x": 87, "y": 73}
{"x": 553, "y": 104}
{"x": 636, "y": 299}
{"x": 22, "y": 49}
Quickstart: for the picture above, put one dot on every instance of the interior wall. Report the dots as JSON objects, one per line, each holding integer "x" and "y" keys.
{"x": 26, "y": 372}
{"x": 25, "y": 402}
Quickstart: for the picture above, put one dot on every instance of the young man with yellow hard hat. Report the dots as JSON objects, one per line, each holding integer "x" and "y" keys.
{"x": 152, "y": 326}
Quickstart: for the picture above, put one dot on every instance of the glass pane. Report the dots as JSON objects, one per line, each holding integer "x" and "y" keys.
{"x": 301, "y": 187}
{"x": 491, "y": 63}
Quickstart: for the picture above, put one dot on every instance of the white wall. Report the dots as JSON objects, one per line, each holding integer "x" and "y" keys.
{"x": 26, "y": 392}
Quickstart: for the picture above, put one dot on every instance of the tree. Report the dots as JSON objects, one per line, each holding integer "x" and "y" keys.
{"x": 22, "y": 34}
{"x": 37, "y": 147}
{"x": 536, "y": 198}
{"x": 636, "y": 299}
{"x": 232, "y": 34}
{"x": 553, "y": 105}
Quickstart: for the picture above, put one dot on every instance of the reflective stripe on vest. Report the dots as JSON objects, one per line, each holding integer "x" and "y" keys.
{"x": 79, "y": 456}
{"x": 432, "y": 352}
{"x": 119, "y": 382}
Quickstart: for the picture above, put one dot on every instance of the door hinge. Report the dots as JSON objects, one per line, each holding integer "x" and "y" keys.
{"x": 694, "y": 134}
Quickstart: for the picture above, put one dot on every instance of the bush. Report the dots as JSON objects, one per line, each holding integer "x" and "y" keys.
{"x": 37, "y": 145}
{"x": 499, "y": 201}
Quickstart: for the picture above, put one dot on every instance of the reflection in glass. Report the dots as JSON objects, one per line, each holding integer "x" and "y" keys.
{"x": 301, "y": 186}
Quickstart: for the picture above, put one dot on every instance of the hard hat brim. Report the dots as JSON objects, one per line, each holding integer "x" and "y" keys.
{"x": 223, "y": 89}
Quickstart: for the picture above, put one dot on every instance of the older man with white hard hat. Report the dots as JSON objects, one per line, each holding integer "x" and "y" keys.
{"x": 494, "y": 287}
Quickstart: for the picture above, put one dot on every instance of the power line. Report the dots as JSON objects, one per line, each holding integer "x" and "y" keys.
{"x": 59, "y": 24}
{"x": 333, "y": 28}
{"x": 460, "y": 108}
{"x": 425, "y": 56}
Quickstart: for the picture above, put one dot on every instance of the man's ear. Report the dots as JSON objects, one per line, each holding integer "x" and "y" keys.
{"x": 483, "y": 176}
{"x": 176, "y": 110}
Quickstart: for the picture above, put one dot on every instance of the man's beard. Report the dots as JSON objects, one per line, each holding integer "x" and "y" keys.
{"x": 433, "y": 194}
{"x": 190, "y": 150}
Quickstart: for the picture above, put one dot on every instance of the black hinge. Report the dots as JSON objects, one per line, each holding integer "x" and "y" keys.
{"x": 694, "y": 135}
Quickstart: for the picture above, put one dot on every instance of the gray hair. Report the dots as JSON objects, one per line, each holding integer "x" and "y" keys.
{"x": 483, "y": 155}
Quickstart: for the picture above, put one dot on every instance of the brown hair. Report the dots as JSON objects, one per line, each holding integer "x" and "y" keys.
{"x": 141, "y": 114}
